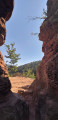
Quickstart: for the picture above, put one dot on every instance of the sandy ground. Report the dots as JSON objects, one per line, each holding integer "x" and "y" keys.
{"x": 20, "y": 83}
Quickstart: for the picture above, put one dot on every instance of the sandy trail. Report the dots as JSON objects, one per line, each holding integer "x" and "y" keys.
{"x": 20, "y": 83}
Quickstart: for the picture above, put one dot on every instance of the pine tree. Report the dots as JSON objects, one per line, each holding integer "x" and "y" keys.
{"x": 12, "y": 58}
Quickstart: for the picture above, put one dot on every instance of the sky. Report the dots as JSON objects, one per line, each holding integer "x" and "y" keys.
{"x": 20, "y": 27}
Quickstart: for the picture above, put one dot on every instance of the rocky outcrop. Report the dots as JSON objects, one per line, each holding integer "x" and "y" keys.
{"x": 3, "y": 68}
{"x": 52, "y": 7}
{"x": 6, "y": 8}
{"x": 12, "y": 106}
{"x": 47, "y": 72}
{"x": 47, "y": 107}
{"x": 2, "y": 31}
{"x": 47, "y": 76}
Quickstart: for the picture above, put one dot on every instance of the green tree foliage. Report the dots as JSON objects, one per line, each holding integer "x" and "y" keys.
{"x": 28, "y": 73}
{"x": 12, "y": 57}
{"x": 29, "y": 70}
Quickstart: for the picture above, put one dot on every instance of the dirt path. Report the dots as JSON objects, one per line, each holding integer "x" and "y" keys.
{"x": 21, "y": 85}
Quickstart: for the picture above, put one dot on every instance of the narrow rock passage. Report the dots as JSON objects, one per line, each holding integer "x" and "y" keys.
{"x": 21, "y": 85}
{"x": 29, "y": 100}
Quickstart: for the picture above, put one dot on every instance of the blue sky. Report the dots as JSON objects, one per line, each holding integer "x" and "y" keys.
{"x": 19, "y": 29}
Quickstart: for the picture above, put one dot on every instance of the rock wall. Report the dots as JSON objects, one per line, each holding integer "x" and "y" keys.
{"x": 3, "y": 68}
{"x": 2, "y": 31}
{"x": 12, "y": 106}
{"x": 6, "y": 8}
{"x": 47, "y": 73}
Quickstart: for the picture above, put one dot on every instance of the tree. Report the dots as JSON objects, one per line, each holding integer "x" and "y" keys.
{"x": 44, "y": 16}
{"x": 12, "y": 58}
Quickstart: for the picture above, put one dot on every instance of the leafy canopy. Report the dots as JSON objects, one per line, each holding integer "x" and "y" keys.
{"x": 12, "y": 57}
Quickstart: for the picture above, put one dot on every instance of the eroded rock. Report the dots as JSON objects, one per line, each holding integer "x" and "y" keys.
{"x": 12, "y": 106}
{"x": 3, "y": 68}
{"x": 47, "y": 73}
{"x": 6, "y": 8}
{"x": 2, "y": 31}
{"x": 47, "y": 107}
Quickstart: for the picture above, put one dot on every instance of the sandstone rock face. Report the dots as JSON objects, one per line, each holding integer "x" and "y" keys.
{"x": 47, "y": 107}
{"x": 6, "y": 8}
{"x": 12, "y": 106}
{"x": 52, "y": 7}
{"x": 5, "y": 84}
{"x": 47, "y": 73}
{"x": 2, "y": 31}
{"x": 49, "y": 36}
{"x": 3, "y": 68}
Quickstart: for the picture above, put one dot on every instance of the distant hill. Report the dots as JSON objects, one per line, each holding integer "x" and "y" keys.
{"x": 29, "y": 69}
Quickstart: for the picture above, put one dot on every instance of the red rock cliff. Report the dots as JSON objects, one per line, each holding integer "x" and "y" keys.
{"x": 47, "y": 73}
